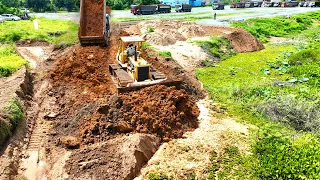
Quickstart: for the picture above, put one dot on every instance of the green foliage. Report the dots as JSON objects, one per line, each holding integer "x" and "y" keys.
{"x": 256, "y": 97}
{"x": 15, "y": 113}
{"x": 154, "y": 175}
{"x": 12, "y": 115}
{"x": 9, "y": 60}
{"x": 165, "y": 54}
{"x": 13, "y": 31}
{"x": 263, "y": 28}
{"x": 285, "y": 157}
{"x": 218, "y": 47}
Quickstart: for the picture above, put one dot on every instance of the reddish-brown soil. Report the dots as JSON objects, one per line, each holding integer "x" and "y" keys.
{"x": 160, "y": 110}
{"x": 120, "y": 158}
{"x": 94, "y": 20}
{"x": 242, "y": 41}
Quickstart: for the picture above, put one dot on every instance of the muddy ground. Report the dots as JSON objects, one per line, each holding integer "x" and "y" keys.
{"x": 78, "y": 117}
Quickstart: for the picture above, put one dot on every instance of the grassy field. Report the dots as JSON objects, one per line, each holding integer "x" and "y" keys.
{"x": 9, "y": 60}
{"x": 60, "y": 33}
{"x": 277, "y": 91}
{"x": 280, "y": 26}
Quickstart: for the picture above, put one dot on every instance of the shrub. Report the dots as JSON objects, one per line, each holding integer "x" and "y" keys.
{"x": 300, "y": 114}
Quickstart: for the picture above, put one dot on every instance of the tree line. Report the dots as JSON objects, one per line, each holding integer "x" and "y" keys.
{"x": 10, "y": 6}
{"x": 42, "y": 5}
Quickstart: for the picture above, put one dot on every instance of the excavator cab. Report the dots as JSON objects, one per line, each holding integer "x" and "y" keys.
{"x": 130, "y": 47}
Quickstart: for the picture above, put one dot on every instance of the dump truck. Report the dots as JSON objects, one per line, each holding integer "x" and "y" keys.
{"x": 132, "y": 71}
{"x": 94, "y": 27}
{"x": 217, "y": 5}
{"x": 138, "y": 9}
{"x": 163, "y": 8}
{"x": 183, "y": 8}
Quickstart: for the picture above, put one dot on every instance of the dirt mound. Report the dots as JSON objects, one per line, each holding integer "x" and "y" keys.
{"x": 116, "y": 159}
{"x": 242, "y": 41}
{"x": 160, "y": 110}
{"x": 31, "y": 43}
{"x": 166, "y": 32}
{"x": 86, "y": 66}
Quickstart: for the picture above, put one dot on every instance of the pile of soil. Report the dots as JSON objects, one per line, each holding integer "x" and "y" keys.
{"x": 166, "y": 32}
{"x": 242, "y": 41}
{"x": 31, "y": 43}
{"x": 120, "y": 158}
{"x": 94, "y": 20}
{"x": 85, "y": 66}
{"x": 159, "y": 110}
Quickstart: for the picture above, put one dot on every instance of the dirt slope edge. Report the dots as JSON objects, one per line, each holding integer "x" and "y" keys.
{"x": 18, "y": 86}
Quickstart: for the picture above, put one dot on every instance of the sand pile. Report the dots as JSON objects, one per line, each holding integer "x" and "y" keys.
{"x": 242, "y": 41}
{"x": 166, "y": 32}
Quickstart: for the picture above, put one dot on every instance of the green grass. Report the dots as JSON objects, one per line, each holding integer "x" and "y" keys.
{"x": 257, "y": 88}
{"x": 14, "y": 114}
{"x": 13, "y": 31}
{"x": 165, "y": 54}
{"x": 263, "y": 28}
{"x": 218, "y": 47}
{"x": 9, "y": 61}
{"x": 60, "y": 33}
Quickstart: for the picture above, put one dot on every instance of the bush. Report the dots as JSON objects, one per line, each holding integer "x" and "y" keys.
{"x": 300, "y": 114}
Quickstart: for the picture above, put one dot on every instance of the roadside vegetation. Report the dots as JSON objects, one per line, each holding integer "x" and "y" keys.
{"x": 277, "y": 91}
{"x": 9, "y": 61}
{"x": 280, "y": 26}
{"x": 60, "y": 33}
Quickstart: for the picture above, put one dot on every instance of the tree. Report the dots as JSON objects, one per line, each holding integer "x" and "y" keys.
{"x": 11, "y": 3}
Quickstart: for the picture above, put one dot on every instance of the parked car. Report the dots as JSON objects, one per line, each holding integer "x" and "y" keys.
{"x": 25, "y": 10}
{"x": 306, "y": 4}
{"x": 301, "y": 4}
{"x": 312, "y": 4}
{"x": 217, "y": 6}
{"x": 2, "y": 19}
{"x": 249, "y": 5}
{"x": 276, "y": 4}
{"x": 10, "y": 17}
